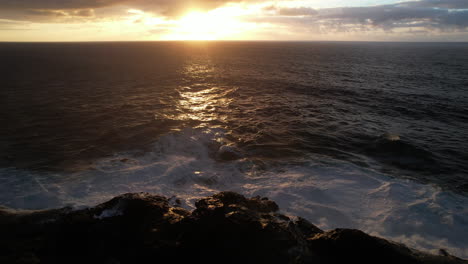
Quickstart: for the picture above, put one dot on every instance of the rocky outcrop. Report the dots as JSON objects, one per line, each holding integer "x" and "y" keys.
{"x": 224, "y": 228}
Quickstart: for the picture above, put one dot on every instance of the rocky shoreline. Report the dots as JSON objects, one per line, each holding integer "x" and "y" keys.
{"x": 224, "y": 228}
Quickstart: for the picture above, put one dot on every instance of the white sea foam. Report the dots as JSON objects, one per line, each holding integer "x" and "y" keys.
{"x": 111, "y": 212}
{"x": 421, "y": 216}
{"x": 184, "y": 165}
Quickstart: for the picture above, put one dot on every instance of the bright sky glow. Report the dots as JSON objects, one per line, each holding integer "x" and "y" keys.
{"x": 217, "y": 24}
{"x": 422, "y": 20}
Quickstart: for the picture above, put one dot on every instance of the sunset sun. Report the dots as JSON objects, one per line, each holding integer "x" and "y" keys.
{"x": 214, "y": 25}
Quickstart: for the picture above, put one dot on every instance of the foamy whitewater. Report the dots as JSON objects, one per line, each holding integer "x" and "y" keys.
{"x": 352, "y": 135}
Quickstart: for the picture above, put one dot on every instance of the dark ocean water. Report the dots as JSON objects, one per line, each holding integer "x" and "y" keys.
{"x": 308, "y": 124}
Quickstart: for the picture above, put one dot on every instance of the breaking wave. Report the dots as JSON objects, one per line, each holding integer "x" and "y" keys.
{"x": 193, "y": 163}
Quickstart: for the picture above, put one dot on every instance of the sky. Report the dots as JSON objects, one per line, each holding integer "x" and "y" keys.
{"x": 138, "y": 20}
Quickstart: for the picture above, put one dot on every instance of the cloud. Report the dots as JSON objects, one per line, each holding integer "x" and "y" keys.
{"x": 298, "y": 11}
{"x": 40, "y": 10}
{"x": 177, "y": 7}
{"x": 56, "y": 4}
{"x": 52, "y": 10}
{"x": 49, "y": 15}
{"x": 13, "y": 25}
{"x": 421, "y": 15}
{"x": 61, "y": 13}
{"x": 446, "y": 4}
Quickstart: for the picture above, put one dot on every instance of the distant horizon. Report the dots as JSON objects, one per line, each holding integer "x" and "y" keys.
{"x": 222, "y": 40}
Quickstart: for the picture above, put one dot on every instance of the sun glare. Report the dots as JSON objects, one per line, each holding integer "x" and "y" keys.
{"x": 199, "y": 26}
{"x": 214, "y": 25}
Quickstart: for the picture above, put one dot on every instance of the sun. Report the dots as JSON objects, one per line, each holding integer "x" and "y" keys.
{"x": 199, "y": 26}
{"x": 214, "y": 25}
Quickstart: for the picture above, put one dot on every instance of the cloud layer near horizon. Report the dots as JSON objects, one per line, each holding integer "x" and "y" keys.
{"x": 424, "y": 14}
{"x": 422, "y": 17}
{"x": 50, "y": 10}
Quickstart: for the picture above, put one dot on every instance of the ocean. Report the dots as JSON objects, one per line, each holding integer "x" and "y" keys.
{"x": 345, "y": 134}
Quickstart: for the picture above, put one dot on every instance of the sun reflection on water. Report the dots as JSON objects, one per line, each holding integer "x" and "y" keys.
{"x": 203, "y": 105}
{"x": 202, "y": 100}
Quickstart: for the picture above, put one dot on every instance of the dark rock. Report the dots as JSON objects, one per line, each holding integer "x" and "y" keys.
{"x": 343, "y": 245}
{"x": 307, "y": 228}
{"x": 237, "y": 229}
{"x": 228, "y": 153}
{"x": 229, "y": 201}
{"x": 224, "y": 228}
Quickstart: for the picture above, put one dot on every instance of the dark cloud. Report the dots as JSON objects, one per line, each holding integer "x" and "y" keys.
{"x": 38, "y": 10}
{"x": 46, "y": 12}
{"x": 61, "y": 13}
{"x": 299, "y": 11}
{"x": 402, "y": 14}
{"x": 52, "y": 10}
{"x": 177, "y": 7}
{"x": 427, "y": 14}
{"x": 455, "y": 18}
{"x": 56, "y": 4}
{"x": 382, "y": 14}
{"x": 49, "y": 15}
{"x": 447, "y": 4}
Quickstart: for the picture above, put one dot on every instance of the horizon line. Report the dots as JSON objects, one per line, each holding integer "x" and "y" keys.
{"x": 279, "y": 41}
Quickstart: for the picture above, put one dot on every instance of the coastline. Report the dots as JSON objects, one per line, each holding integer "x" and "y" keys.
{"x": 224, "y": 228}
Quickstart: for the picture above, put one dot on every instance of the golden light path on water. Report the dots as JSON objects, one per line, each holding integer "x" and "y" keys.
{"x": 202, "y": 105}
{"x": 202, "y": 101}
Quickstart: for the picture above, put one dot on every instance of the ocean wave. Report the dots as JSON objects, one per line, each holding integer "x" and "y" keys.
{"x": 187, "y": 165}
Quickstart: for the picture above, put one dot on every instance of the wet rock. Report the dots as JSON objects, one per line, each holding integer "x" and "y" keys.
{"x": 240, "y": 229}
{"x": 224, "y": 228}
{"x": 343, "y": 245}
{"x": 306, "y": 227}
{"x": 229, "y": 201}
{"x": 228, "y": 153}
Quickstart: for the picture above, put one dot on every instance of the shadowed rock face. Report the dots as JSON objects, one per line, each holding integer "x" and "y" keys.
{"x": 224, "y": 228}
